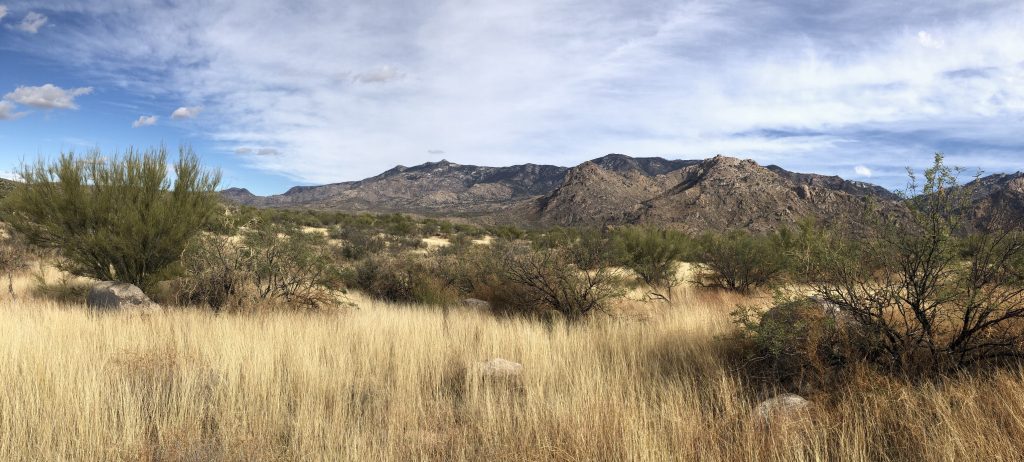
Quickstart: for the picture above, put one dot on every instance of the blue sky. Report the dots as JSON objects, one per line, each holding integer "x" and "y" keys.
{"x": 278, "y": 93}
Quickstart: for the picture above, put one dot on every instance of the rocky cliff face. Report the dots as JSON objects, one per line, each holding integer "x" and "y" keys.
{"x": 712, "y": 194}
{"x": 999, "y": 199}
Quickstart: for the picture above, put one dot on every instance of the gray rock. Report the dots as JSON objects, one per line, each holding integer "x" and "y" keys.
{"x": 784, "y": 407}
{"x": 114, "y": 296}
{"x": 477, "y": 304}
{"x": 498, "y": 368}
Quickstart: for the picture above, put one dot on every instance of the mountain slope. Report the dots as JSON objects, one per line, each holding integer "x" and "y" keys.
{"x": 715, "y": 194}
{"x": 431, "y": 188}
{"x": 999, "y": 199}
{"x": 712, "y": 194}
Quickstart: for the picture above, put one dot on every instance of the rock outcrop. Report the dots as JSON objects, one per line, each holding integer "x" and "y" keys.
{"x": 117, "y": 296}
{"x": 785, "y": 408}
{"x": 998, "y": 200}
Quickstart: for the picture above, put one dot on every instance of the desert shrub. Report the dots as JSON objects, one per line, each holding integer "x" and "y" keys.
{"x": 358, "y": 242}
{"x": 398, "y": 244}
{"x": 653, "y": 254}
{"x": 476, "y": 271}
{"x": 399, "y": 225}
{"x": 15, "y": 255}
{"x": 740, "y": 261}
{"x": 403, "y": 278}
{"x": 933, "y": 293}
{"x": 291, "y": 265}
{"x": 458, "y": 244}
{"x": 798, "y": 341}
{"x": 507, "y": 232}
{"x": 216, "y": 271}
{"x": 553, "y": 238}
{"x": 800, "y": 244}
{"x": 538, "y": 281}
{"x": 119, "y": 218}
{"x": 267, "y": 263}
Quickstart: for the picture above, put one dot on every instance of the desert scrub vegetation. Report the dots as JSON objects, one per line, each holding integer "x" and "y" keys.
{"x": 265, "y": 264}
{"x": 929, "y": 291}
{"x": 654, "y": 254}
{"x": 114, "y": 218}
{"x": 741, "y": 261}
{"x": 904, "y": 333}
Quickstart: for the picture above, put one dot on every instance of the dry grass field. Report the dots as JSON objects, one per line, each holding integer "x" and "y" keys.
{"x": 385, "y": 382}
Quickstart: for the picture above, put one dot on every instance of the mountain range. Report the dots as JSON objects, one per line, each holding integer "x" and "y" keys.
{"x": 719, "y": 193}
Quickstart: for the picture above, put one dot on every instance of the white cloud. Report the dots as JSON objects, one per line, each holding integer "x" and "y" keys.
{"x": 928, "y": 41}
{"x": 7, "y": 111}
{"x": 435, "y": 151}
{"x": 862, "y": 170}
{"x": 32, "y": 22}
{"x": 3, "y": 11}
{"x": 48, "y": 96}
{"x": 186, "y": 112}
{"x": 145, "y": 121}
{"x": 257, "y": 151}
{"x": 560, "y": 81}
{"x": 380, "y": 75}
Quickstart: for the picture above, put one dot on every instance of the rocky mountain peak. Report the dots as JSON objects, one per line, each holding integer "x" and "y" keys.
{"x": 241, "y": 192}
{"x": 999, "y": 199}
{"x": 718, "y": 193}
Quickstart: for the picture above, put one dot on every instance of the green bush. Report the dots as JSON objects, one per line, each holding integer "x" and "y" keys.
{"x": 554, "y": 280}
{"x": 653, "y": 254}
{"x": 215, "y": 272}
{"x": 358, "y": 242}
{"x": 268, "y": 263}
{"x": 403, "y": 278}
{"x": 741, "y": 261}
{"x": 120, "y": 218}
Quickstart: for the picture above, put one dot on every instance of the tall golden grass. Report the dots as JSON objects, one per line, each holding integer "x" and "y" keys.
{"x": 385, "y": 382}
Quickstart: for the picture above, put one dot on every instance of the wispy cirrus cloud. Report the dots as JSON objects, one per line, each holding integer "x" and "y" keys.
{"x": 867, "y": 83}
{"x": 32, "y": 22}
{"x": 383, "y": 74}
{"x": 245, "y": 150}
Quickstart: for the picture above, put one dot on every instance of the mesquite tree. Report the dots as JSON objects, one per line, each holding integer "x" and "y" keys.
{"x": 930, "y": 290}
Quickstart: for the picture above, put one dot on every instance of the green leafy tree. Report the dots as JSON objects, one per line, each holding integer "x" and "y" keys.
{"x": 120, "y": 218}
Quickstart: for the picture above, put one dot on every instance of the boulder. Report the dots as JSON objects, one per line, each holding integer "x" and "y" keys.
{"x": 809, "y": 313}
{"x": 477, "y": 304}
{"x": 498, "y": 368}
{"x": 115, "y": 296}
{"x": 783, "y": 407}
